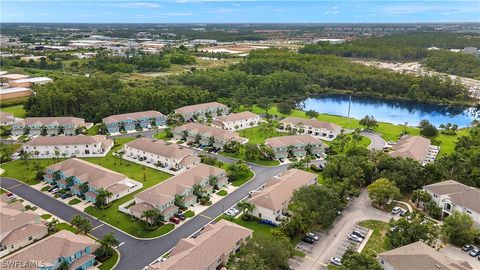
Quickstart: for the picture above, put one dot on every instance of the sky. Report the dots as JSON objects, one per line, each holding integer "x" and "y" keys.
{"x": 239, "y": 11}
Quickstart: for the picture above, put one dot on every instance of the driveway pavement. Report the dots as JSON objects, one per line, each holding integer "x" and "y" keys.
{"x": 334, "y": 243}
{"x": 458, "y": 254}
{"x": 377, "y": 142}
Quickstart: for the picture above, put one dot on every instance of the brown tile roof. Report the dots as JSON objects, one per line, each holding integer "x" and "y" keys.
{"x": 6, "y": 116}
{"x": 61, "y": 244}
{"x": 285, "y": 141}
{"x": 66, "y": 140}
{"x": 236, "y": 116}
{"x": 23, "y": 233}
{"x": 161, "y": 148}
{"x": 459, "y": 193}
{"x": 197, "y": 107}
{"x": 209, "y": 131}
{"x": 311, "y": 122}
{"x": 96, "y": 176}
{"x": 415, "y": 147}
{"x": 139, "y": 208}
{"x": 132, "y": 116}
{"x": 13, "y": 76}
{"x": 117, "y": 188}
{"x": 11, "y": 219}
{"x": 51, "y": 121}
{"x": 419, "y": 256}
{"x": 280, "y": 189}
{"x": 200, "y": 252}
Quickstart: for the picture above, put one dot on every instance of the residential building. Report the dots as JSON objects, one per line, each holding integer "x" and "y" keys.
{"x": 296, "y": 145}
{"x": 319, "y": 129}
{"x": 453, "y": 196}
{"x": 33, "y": 126}
{"x": 206, "y": 135}
{"x": 202, "y": 110}
{"x": 14, "y": 93}
{"x": 162, "y": 196}
{"x": 6, "y": 119}
{"x": 28, "y": 82}
{"x": 68, "y": 146}
{"x": 210, "y": 250}
{"x": 170, "y": 156}
{"x": 133, "y": 121}
{"x": 12, "y": 77}
{"x": 415, "y": 147}
{"x": 50, "y": 253}
{"x": 272, "y": 201}
{"x": 19, "y": 229}
{"x": 237, "y": 121}
{"x": 95, "y": 178}
{"x": 419, "y": 256}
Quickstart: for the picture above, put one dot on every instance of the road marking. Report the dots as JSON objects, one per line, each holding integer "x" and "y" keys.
{"x": 205, "y": 216}
{"x": 17, "y": 185}
{"x": 119, "y": 245}
{"x": 310, "y": 258}
{"x": 98, "y": 226}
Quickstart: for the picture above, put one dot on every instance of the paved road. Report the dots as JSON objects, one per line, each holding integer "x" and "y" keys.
{"x": 377, "y": 141}
{"x": 135, "y": 253}
{"x": 334, "y": 242}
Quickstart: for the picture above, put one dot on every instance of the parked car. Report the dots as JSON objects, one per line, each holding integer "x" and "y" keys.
{"x": 396, "y": 210}
{"x": 312, "y": 235}
{"x": 281, "y": 160}
{"x": 55, "y": 190}
{"x": 355, "y": 238}
{"x": 474, "y": 252}
{"x": 52, "y": 188}
{"x": 403, "y": 212}
{"x": 66, "y": 195}
{"x": 251, "y": 192}
{"x": 11, "y": 196}
{"x": 467, "y": 248}
{"x": 229, "y": 212}
{"x": 180, "y": 216}
{"x": 307, "y": 239}
{"x": 318, "y": 155}
{"x": 175, "y": 220}
{"x": 359, "y": 233}
{"x": 336, "y": 261}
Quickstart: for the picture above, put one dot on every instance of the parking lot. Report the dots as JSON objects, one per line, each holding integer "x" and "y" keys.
{"x": 457, "y": 253}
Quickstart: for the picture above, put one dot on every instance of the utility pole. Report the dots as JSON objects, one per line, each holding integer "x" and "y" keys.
{"x": 349, "y": 105}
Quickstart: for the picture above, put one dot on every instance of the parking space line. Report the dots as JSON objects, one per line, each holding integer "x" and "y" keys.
{"x": 205, "y": 216}
{"x": 98, "y": 226}
{"x": 17, "y": 185}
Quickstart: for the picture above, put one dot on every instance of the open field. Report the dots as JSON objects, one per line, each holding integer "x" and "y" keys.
{"x": 377, "y": 243}
{"x": 16, "y": 110}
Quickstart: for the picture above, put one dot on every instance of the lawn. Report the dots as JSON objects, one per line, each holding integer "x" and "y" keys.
{"x": 377, "y": 243}
{"x": 258, "y": 228}
{"x": 108, "y": 264}
{"x": 257, "y": 135}
{"x": 222, "y": 193}
{"x": 74, "y": 201}
{"x": 46, "y": 216}
{"x": 241, "y": 155}
{"x": 241, "y": 180}
{"x": 65, "y": 226}
{"x": 93, "y": 130}
{"x": 364, "y": 142}
{"x": 161, "y": 136}
{"x": 16, "y": 110}
{"x": 189, "y": 214}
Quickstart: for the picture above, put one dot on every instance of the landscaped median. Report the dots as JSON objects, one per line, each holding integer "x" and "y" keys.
{"x": 378, "y": 242}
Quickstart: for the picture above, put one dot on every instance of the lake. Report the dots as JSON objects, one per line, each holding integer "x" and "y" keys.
{"x": 397, "y": 112}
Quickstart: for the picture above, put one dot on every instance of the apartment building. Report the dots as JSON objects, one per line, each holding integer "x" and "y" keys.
{"x": 160, "y": 153}
{"x": 296, "y": 145}
{"x": 63, "y": 247}
{"x": 35, "y": 126}
{"x": 29, "y": 82}
{"x": 417, "y": 148}
{"x": 19, "y": 229}
{"x": 74, "y": 174}
{"x": 6, "y": 119}
{"x": 271, "y": 202}
{"x": 202, "y": 110}
{"x": 10, "y": 93}
{"x": 162, "y": 196}
{"x": 210, "y": 250}
{"x": 318, "y": 129}
{"x": 68, "y": 146}
{"x": 237, "y": 121}
{"x": 133, "y": 121}
{"x": 453, "y": 196}
{"x": 206, "y": 135}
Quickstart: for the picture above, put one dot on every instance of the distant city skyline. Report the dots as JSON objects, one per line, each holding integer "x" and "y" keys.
{"x": 248, "y": 11}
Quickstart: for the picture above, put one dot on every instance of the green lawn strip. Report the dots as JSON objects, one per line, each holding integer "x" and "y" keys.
{"x": 2, "y": 191}
{"x": 74, "y": 201}
{"x": 241, "y": 155}
{"x": 161, "y": 136}
{"x": 189, "y": 214}
{"x": 110, "y": 262}
{"x": 258, "y": 228}
{"x": 222, "y": 193}
{"x": 377, "y": 243}
{"x": 242, "y": 179}
{"x": 65, "y": 226}
{"x": 46, "y": 216}
{"x": 45, "y": 189}
{"x": 16, "y": 110}
{"x": 258, "y": 136}
{"x": 93, "y": 130}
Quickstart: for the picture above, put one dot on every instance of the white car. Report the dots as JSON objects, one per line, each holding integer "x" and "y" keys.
{"x": 396, "y": 210}
{"x": 336, "y": 261}
{"x": 250, "y": 193}
{"x": 229, "y": 212}
{"x": 312, "y": 235}
{"x": 355, "y": 238}
{"x": 234, "y": 210}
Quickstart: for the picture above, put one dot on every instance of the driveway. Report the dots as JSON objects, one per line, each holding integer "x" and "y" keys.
{"x": 377, "y": 142}
{"x": 458, "y": 254}
{"x": 334, "y": 243}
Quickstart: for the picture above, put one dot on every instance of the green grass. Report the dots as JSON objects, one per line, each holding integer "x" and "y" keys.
{"x": 222, "y": 193}
{"x": 65, "y": 226}
{"x": 258, "y": 228}
{"x": 189, "y": 214}
{"x": 44, "y": 189}
{"x": 93, "y": 130}
{"x": 258, "y": 136}
{"x": 161, "y": 136}
{"x": 16, "y": 110}
{"x": 110, "y": 262}
{"x": 2, "y": 191}
{"x": 351, "y": 143}
{"x": 74, "y": 201}
{"x": 377, "y": 243}
{"x": 241, "y": 155}
{"x": 46, "y": 216}
{"x": 242, "y": 179}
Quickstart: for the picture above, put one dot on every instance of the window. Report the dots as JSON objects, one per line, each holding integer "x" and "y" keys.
{"x": 30, "y": 238}
{"x": 468, "y": 211}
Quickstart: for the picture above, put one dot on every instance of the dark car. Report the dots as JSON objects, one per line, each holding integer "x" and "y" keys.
{"x": 307, "y": 239}
{"x": 467, "y": 248}
{"x": 180, "y": 216}
{"x": 66, "y": 195}
{"x": 403, "y": 212}
{"x": 175, "y": 220}
{"x": 359, "y": 233}
{"x": 281, "y": 160}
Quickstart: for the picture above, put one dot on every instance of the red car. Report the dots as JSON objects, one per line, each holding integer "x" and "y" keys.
{"x": 175, "y": 220}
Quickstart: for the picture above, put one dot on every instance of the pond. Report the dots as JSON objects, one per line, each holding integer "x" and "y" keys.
{"x": 391, "y": 111}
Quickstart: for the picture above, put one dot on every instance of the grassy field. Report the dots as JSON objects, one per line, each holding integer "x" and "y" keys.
{"x": 161, "y": 136}
{"x": 241, "y": 155}
{"x": 16, "y": 110}
{"x": 377, "y": 243}
{"x": 258, "y": 228}
{"x": 65, "y": 226}
{"x": 258, "y": 136}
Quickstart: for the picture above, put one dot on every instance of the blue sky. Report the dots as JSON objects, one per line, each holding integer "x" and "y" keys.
{"x": 229, "y": 11}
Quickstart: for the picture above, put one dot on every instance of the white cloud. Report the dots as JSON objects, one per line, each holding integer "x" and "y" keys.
{"x": 135, "y": 5}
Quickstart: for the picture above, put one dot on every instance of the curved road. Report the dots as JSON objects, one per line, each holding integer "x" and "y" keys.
{"x": 136, "y": 253}
{"x": 377, "y": 142}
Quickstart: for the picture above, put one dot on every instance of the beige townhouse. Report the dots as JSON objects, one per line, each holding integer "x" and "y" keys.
{"x": 296, "y": 146}
{"x": 237, "y": 121}
{"x": 202, "y": 110}
{"x": 319, "y": 129}
{"x": 417, "y": 148}
{"x": 68, "y": 146}
{"x": 206, "y": 135}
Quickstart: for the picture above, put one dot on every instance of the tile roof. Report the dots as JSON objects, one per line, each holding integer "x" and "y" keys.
{"x": 161, "y": 148}
{"x": 209, "y": 131}
{"x": 132, "y": 116}
{"x": 13, "y": 76}
{"x": 279, "y": 189}
{"x": 311, "y": 122}
{"x": 201, "y": 252}
{"x": 197, "y": 107}
{"x": 285, "y": 141}
{"x": 419, "y": 256}
{"x": 67, "y": 120}
{"x": 415, "y": 147}
{"x": 237, "y": 116}
{"x": 67, "y": 140}
{"x": 459, "y": 193}
{"x": 23, "y": 233}
{"x": 6, "y": 116}
{"x": 11, "y": 219}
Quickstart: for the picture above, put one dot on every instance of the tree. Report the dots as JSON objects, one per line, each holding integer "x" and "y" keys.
{"x": 25, "y": 156}
{"x": 197, "y": 190}
{"x": 285, "y": 107}
{"x": 416, "y": 228}
{"x": 211, "y": 141}
{"x": 359, "y": 261}
{"x": 179, "y": 200}
{"x": 52, "y": 226}
{"x": 247, "y": 208}
{"x": 369, "y": 122}
{"x": 69, "y": 181}
{"x": 43, "y": 131}
{"x": 251, "y": 151}
{"x": 103, "y": 196}
{"x": 458, "y": 228}
{"x": 421, "y": 196}
{"x": 264, "y": 103}
{"x": 61, "y": 129}
{"x": 383, "y": 190}
{"x": 57, "y": 175}
{"x": 152, "y": 216}
{"x": 213, "y": 181}
{"x": 82, "y": 224}
{"x": 428, "y": 130}
{"x": 232, "y": 147}
{"x": 107, "y": 242}
{"x": 311, "y": 114}
{"x": 236, "y": 170}
{"x": 83, "y": 188}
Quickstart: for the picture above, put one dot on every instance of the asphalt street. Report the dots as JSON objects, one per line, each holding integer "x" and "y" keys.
{"x": 377, "y": 142}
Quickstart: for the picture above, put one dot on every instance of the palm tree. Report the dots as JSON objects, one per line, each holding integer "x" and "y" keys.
{"x": 178, "y": 200}
{"x": 57, "y": 175}
{"x": 107, "y": 243}
{"x": 290, "y": 150}
{"x": 57, "y": 154}
{"x": 184, "y": 135}
{"x": 152, "y": 216}
{"x": 61, "y": 129}
{"x": 211, "y": 141}
{"x": 25, "y": 156}
{"x": 52, "y": 226}
{"x": 197, "y": 190}
{"x": 198, "y": 137}
{"x": 102, "y": 198}
{"x": 247, "y": 208}
{"x": 308, "y": 149}
{"x": 69, "y": 181}
{"x": 43, "y": 131}
{"x": 83, "y": 187}
{"x": 213, "y": 181}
